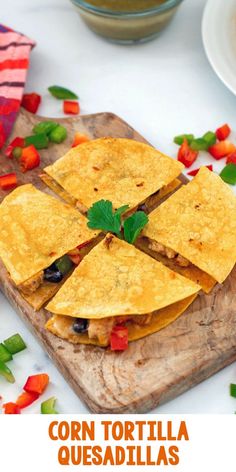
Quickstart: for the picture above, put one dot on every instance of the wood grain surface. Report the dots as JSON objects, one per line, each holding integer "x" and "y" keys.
{"x": 154, "y": 369}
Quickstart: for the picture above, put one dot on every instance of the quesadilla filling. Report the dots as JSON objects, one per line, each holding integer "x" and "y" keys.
{"x": 102, "y": 330}
{"x": 56, "y": 272}
{"x": 169, "y": 253}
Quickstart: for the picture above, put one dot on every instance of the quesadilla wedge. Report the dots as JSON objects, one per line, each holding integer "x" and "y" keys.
{"x": 116, "y": 169}
{"x": 117, "y": 286}
{"x": 194, "y": 231}
{"x": 41, "y": 241}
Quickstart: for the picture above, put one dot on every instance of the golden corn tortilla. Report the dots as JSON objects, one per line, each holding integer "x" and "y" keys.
{"x": 192, "y": 272}
{"x": 35, "y": 230}
{"x": 150, "y": 203}
{"x": 199, "y": 222}
{"x": 116, "y": 279}
{"x": 116, "y": 169}
{"x": 61, "y": 326}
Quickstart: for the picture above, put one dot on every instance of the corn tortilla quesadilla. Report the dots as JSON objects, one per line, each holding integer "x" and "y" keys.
{"x": 40, "y": 241}
{"x": 196, "y": 229}
{"x": 118, "y": 284}
{"x": 116, "y": 169}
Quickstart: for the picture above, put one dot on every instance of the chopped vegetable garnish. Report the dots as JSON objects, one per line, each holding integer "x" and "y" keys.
{"x": 134, "y": 225}
{"x": 17, "y": 142}
{"x": 31, "y": 102}
{"x": 15, "y": 344}
{"x": 233, "y": 390}
{"x": 101, "y": 216}
{"x": 26, "y": 398}
{"x": 62, "y": 93}
{"x": 29, "y": 158}
{"x": 195, "y": 171}
{"x": 36, "y": 383}
{"x": 5, "y": 355}
{"x": 64, "y": 264}
{"x": 8, "y": 181}
{"x": 210, "y": 138}
{"x": 231, "y": 158}
{"x": 58, "y": 134}
{"x": 16, "y": 153}
{"x": 6, "y": 372}
{"x": 44, "y": 127}
{"x": 199, "y": 144}
{"x": 48, "y": 407}
{"x": 180, "y": 139}
{"x": 75, "y": 256}
{"x": 119, "y": 338}
{"x": 223, "y": 132}
{"x": 11, "y": 409}
{"x": 79, "y": 139}
{"x": 221, "y": 149}
{"x": 186, "y": 155}
{"x": 40, "y": 141}
{"x": 228, "y": 174}
{"x": 71, "y": 108}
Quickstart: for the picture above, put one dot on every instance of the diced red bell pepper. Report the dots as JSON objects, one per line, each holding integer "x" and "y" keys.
{"x": 195, "y": 171}
{"x": 75, "y": 258}
{"x": 31, "y": 102}
{"x": 231, "y": 158}
{"x": 8, "y": 181}
{"x": 80, "y": 139}
{"x": 71, "y": 108}
{"x": 221, "y": 149}
{"x": 11, "y": 409}
{"x": 119, "y": 338}
{"x": 29, "y": 158}
{"x": 186, "y": 155}
{"x": 17, "y": 142}
{"x": 36, "y": 383}
{"x": 223, "y": 132}
{"x": 26, "y": 398}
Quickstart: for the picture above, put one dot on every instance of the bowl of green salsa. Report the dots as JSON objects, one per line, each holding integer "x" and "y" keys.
{"x": 127, "y": 21}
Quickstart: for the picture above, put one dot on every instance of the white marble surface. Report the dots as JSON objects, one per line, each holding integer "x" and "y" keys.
{"x": 161, "y": 88}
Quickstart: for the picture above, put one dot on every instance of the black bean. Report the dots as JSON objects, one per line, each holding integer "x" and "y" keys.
{"x": 80, "y": 325}
{"x": 52, "y": 274}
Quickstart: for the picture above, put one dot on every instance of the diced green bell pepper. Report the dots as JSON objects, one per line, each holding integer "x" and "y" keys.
{"x": 5, "y": 355}
{"x": 180, "y": 139}
{"x": 40, "y": 141}
{"x": 48, "y": 407}
{"x": 228, "y": 174}
{"x": 210, "y": 138}
{"x": 199, "y": 144}
{"x": 15, "y": 344}
{"x": 6, "y": 372}
{"x": 233, "y": 390}
{"x": 45, "y": 127}
{"x": 64, "y": 264}
{"x": 58, "y": 134}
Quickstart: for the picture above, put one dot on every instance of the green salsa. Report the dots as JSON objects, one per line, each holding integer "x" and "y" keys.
{"x": 126, "y": 5}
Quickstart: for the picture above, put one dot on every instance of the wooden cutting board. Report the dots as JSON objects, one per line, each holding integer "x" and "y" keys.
{"x": 157, "y": 368}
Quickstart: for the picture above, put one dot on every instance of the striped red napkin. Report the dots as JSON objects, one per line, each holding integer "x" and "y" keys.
{"x": 14, "y": 61}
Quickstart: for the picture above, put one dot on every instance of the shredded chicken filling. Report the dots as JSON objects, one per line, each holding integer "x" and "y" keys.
{"x": 101, "y": 329}
{"x": 169, "y": 253}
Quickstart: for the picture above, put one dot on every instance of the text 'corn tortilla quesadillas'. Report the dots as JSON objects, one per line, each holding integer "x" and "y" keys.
{"x": 196, "y": 226}
{"x": 116, "y": 283}
{"x": 121, "y": 170}
{"x": 36, "y": 230}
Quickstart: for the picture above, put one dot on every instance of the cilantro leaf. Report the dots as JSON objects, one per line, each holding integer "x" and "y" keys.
{"x": 101, "y": 216}
{"x": 134, "y": 225}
